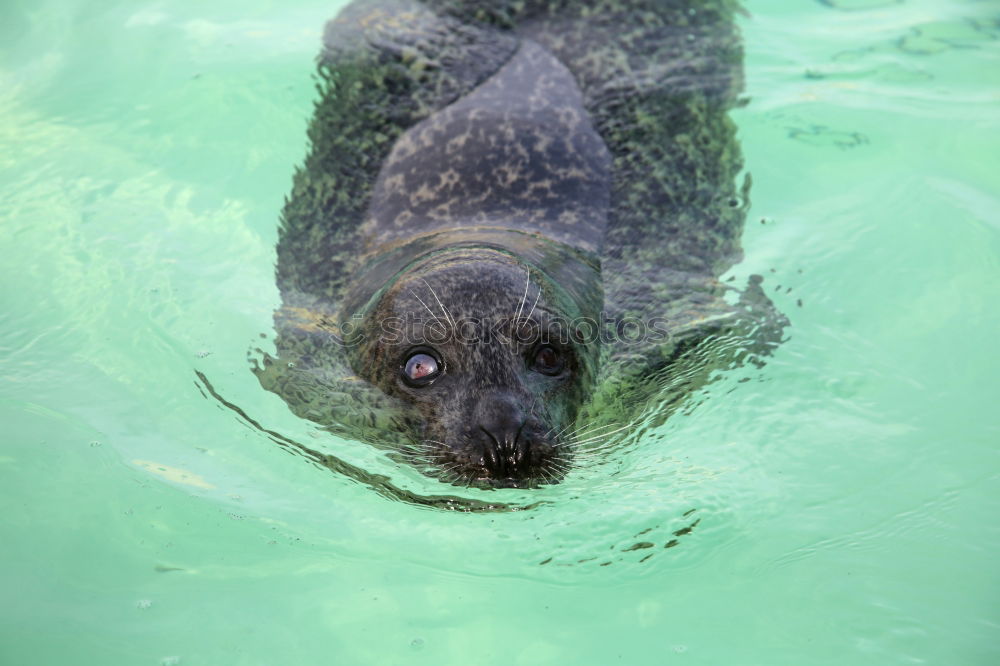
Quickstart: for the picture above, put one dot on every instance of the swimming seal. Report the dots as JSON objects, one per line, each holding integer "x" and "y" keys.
{"x": 511, "y": 222}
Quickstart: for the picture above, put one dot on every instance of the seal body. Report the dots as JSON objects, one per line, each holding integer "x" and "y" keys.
{"x": 493, "y": 191}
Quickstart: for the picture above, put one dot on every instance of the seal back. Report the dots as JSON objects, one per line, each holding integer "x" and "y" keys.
{"x": 518, "y": 152}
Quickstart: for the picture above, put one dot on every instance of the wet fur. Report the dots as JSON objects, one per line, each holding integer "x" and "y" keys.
{"x": 580, "y": 151}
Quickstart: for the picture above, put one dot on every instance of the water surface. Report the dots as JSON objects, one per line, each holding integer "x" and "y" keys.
{"x": 837, "y": 506}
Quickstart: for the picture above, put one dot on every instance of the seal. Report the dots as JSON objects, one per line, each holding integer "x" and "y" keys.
{"x": 510, "y": 223}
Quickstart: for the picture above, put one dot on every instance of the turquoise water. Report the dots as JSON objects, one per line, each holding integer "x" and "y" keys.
{"x": 838, "y": 506}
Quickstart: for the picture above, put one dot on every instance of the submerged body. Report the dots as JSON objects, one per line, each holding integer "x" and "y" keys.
{"x": 493, "y": 193}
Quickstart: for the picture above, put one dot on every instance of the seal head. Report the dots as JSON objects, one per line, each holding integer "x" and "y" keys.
{"x": 483, "y": 348}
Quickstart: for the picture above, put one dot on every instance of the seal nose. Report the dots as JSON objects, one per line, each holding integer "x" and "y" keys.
{"x": 500, "y": 419}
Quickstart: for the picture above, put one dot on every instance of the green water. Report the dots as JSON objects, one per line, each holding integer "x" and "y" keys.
{"x": 842, "y": 503}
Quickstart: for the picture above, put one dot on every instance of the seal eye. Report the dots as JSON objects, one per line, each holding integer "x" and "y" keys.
{"x": 548, "y": 361}
{"x": 421, "y": 369}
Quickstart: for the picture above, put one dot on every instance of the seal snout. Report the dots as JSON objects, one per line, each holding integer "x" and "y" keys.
{"x": 500, "y": 422}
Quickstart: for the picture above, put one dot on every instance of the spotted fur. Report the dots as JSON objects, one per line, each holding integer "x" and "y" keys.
{"x": 460, "y": 146}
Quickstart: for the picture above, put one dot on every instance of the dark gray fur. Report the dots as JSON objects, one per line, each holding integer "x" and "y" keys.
{"x": 475, "y": 160}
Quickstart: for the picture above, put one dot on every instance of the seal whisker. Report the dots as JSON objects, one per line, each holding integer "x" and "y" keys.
{"x": 587, "y": 425}
{"x": 551, "y": 431}
{"x": 545, "y": 473}
{"x": 439, "y": 459}
{"x": 416, "y": 454}
{"x": 413, "y": 452}
{"x": 564, "y": 429}
{"x": 533, "y": 305}
{"x": 436, "y": 318}
{"x": 450, "y": 470}
{"x": 562, "y": 444}
{"x": 555, "y": 473}
{"x": 590, "y": 446}
{"x": 584, "y": 431}
{"x": 447, "y": 314}
{"x": 430, "y": 455}
{"x": 560, "y": 468}
{"x": 602, "y": 435}
{"x": 524, "y": 298}
{"x": 559, "y": 464}
{"x": 596, "y": 454}
{"x": 598, "y": 437}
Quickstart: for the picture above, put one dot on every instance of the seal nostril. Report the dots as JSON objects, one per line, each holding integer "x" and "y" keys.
{"x": 492, "y": 455}
{"x": 505, "y": 458}
{"x": 519, "y": 454}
